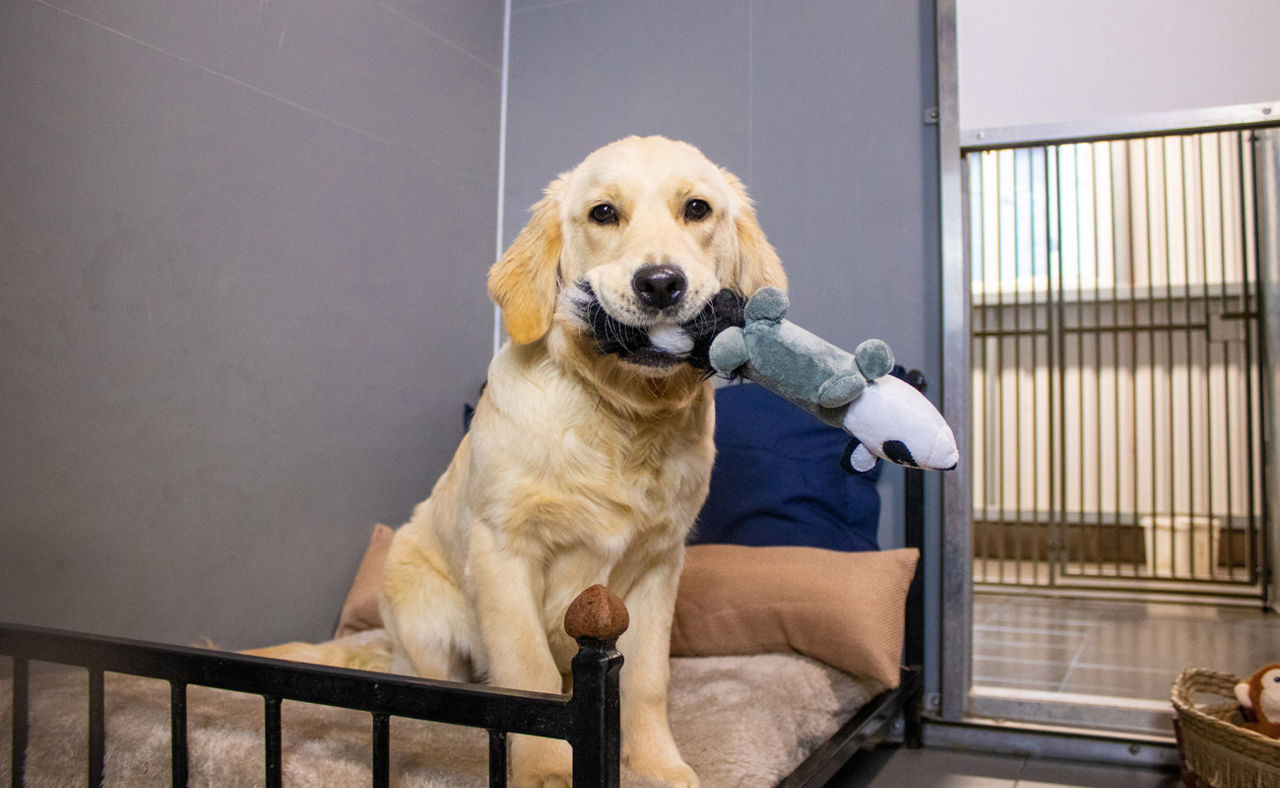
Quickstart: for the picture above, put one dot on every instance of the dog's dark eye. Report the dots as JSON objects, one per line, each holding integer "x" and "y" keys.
{"x": 696, "y": 210}
{"x": 604, "y": 213}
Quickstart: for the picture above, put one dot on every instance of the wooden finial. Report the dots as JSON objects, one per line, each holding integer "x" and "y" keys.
{"x": 596, "y": 613}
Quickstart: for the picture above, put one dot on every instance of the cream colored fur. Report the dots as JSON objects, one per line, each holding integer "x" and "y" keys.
{"x": 579, "y": 468}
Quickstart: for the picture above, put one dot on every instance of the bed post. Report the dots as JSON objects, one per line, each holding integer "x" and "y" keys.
{"x": 596, "y": 619}
{"x": 913, "y": 647}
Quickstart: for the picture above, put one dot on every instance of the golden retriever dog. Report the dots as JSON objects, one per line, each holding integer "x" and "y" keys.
{"x": 590, "y": 451}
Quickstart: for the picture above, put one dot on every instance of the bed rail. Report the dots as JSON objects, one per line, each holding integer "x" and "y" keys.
{"x": 588, "y": 718}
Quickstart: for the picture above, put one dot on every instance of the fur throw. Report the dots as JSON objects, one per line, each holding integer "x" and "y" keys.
{"x": 739, "y": 721}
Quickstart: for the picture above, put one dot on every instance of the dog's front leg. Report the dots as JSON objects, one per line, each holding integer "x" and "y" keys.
{"x": 647, "y": 744}
{"x": 508, "y": 588}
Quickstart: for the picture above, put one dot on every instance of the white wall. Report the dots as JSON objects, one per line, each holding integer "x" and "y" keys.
{"x": 1031, "y": 62}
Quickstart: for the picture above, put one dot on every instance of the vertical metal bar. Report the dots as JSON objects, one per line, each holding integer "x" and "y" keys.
{"x": 1119, "y": 366}
{"x": 913, "y": 649}
{"x": 1132, "y": 154}
{"x": 498, "y": 759}
{"x": 913, "y": 536}
{"x": 1079, "y": 312}
{"x": 1229, "y": 450}
{"x": 1267, "y": 253}
{"x": 271, "y": 741}
{"x": 978, "y": 347}
{"x": 1248, "y": 277}
{"x": 1034, "y": 314}
{"x": 97, "y": 728}
{"x": 381, "y": 749}
{"x": 178, "y": 732}
{"x": 1168, "y": 331}
{"x": 1000, "y": 370}
{"x": 1207, "y": 371}
{"x": 1100, "y": 468}
{"x": 1151, "y": 342}
{"x": 1188, "y": 469}
{"x": 1017, "y": 381}
{"x": 1110, "y": 525}
{"x": 956, "y": 594}
{"x": 21, "y": 720}
{"x": 1057, "y": 271}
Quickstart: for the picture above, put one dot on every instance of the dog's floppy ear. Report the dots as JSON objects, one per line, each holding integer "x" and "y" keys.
{"x": 757, "y": 263}
{"x": 524, "y": 282}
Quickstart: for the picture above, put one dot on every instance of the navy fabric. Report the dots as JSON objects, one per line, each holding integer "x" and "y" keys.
{"x": 778, "y": 480}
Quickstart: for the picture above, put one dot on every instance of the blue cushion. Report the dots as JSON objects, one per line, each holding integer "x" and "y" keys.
{"x": 778, "y": 479}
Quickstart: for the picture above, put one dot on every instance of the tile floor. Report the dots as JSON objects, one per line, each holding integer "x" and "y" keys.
{"x": 935, "y": 768}
{"x": 1104, "y": 647}
{"x": 1097, "y": 647}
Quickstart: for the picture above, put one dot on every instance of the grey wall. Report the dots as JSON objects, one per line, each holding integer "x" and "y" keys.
{"x": 819, "y": 107}
{"x": 243, "y": 250}
{"x": 242, "y": 259}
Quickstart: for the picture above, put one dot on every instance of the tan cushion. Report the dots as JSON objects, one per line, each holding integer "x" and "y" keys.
{"x": 360, "y": 611}
{"x": 845, "y": 609}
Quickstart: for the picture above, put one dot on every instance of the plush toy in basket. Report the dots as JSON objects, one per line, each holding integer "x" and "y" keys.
{"x": 1260, "y": 699}
{"x": 1219, "y": 744}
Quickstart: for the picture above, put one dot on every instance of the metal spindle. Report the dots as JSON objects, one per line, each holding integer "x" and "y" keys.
{"x": 381, "y": 747}
{"x": 21, "y": 717}
{"x": 271, "y": 738}
{"x": 498, "y": 759}
{"x": 178, "y": 732}
{"x": 97, "y": 728}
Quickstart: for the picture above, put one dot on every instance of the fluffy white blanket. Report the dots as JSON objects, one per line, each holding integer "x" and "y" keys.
{"x": 739, "y": 721}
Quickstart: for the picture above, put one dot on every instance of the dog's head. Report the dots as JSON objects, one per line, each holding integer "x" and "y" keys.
{"x": 629, "y": 251}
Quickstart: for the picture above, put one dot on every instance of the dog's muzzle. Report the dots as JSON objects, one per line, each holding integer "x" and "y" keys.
{"x": 665, "y": 345}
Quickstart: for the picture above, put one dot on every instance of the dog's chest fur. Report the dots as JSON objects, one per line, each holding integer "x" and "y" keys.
{"x": 613, "y": 479}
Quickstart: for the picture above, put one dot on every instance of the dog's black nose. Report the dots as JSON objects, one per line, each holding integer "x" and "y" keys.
{"x": 659, "y": 286}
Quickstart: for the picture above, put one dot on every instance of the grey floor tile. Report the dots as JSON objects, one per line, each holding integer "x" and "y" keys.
{"x": 934, "y": 768}
{"x": 1108, "y": 647}
{"x": 1123, "y": 681}
{"x": 939, "y": 768}
{"x": 1028, "y": 674}
{"x": 1047, "y": 773}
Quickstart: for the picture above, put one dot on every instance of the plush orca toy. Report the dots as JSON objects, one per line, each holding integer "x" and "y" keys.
{"x": 886, "y": 417}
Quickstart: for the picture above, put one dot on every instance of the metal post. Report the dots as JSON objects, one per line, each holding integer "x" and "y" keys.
{"x": 596, "y": 619}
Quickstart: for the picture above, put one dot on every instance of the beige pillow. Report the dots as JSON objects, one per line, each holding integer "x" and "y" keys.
{"x": 360, "y": 611}
{"x": 844, "y": 609}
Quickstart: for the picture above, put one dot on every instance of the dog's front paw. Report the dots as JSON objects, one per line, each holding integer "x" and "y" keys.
{"x": 541, "y": 763}
{"x": 522, "y": 778}
{"x": 677, "y": 774}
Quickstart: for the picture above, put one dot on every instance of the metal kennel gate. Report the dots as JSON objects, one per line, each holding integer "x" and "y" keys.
{"x": 1116, "y": 364}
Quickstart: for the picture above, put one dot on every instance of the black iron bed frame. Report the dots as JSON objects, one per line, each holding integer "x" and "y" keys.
{"x": 588, "y": 718}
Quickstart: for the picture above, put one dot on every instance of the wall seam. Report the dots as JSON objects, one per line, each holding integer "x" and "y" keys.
{"x": 502, "y": 158}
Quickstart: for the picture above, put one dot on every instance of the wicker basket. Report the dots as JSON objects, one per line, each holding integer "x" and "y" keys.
{"x": 1215, "y": 750}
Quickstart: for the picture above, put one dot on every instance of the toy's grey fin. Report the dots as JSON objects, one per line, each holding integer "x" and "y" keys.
{"x": 857, "y": 459}
{"x": 729, "y": 351}
{"x": 841, "y": 390}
